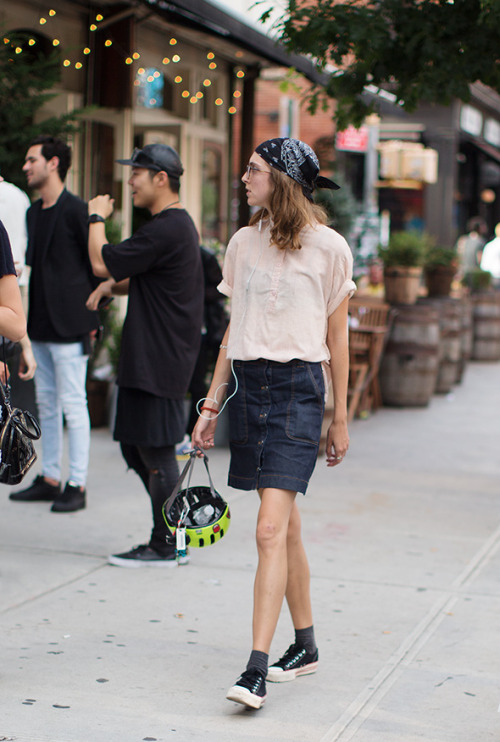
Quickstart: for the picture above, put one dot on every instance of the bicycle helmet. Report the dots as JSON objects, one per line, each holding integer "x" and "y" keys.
{"x": 201, "y": 510}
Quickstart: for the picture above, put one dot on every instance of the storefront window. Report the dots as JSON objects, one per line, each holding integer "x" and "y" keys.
{"x": 211, "y": 192}
{"x": 149, "y": 83}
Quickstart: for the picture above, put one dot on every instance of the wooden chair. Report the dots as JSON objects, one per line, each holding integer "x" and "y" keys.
{"x": 369, "y": 323}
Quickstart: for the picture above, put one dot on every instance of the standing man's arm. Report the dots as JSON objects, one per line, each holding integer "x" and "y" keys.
{"x": 102, "y": 206}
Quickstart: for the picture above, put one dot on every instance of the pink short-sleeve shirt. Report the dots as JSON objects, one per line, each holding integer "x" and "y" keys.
{"x": 281, "y": 299}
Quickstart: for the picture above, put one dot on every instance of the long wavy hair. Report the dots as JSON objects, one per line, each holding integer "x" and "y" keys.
{"x": 290, "y": 211}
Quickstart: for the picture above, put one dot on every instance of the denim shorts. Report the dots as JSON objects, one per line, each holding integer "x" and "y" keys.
{"x": 275, "y": 423}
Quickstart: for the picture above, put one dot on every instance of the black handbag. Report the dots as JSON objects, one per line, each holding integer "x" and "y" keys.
{"x": 18, "y": 430}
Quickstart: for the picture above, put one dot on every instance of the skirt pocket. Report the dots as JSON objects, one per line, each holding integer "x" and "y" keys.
{"x": 306, "y": 407}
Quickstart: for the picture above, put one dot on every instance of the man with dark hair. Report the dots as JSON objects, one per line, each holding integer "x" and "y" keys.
{"x": 160, "y": 269}
{"x": 59, "y": 324}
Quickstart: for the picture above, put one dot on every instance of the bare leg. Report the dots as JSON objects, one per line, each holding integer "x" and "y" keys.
{"x": 298, "y": 594}
{"x": 272, "y": 571}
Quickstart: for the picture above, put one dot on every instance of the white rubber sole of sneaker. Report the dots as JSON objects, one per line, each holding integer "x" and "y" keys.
{"x": 275, "y": 675}
{"x": 137, "y": 563}
{"x": 243, "y": 696}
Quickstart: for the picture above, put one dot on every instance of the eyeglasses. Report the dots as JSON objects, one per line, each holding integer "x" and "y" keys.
{"x": 252, "y": 169}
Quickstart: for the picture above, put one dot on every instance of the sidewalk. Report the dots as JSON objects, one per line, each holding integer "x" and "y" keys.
{"x": 403, "y": 542}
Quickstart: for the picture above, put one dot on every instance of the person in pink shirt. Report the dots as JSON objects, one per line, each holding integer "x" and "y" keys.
{"x": 289, "y": 278}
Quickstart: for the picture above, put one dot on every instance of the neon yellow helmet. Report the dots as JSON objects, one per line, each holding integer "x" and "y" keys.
{"x": 201, "y": 510}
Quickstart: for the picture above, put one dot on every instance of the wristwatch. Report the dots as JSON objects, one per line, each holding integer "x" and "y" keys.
{"x": 93, "y": 218}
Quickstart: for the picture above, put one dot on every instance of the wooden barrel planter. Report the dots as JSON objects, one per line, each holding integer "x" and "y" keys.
{"x": 467, "y": 334}
{"x": 486, "y": 313}
{"x": 439, "y": 279}
{"x": 450, "y": 346}
{"x": 410, "y": 364}
{"x": 402, "y": 284}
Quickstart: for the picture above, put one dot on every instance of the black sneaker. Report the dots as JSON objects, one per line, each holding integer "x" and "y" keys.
{"x": 296, "y": 661}
{"x": 40, "y": 490}
{"x": 144, "y": 556}
{"x": 72, "y": 498}
{"x": 249, "y": 689}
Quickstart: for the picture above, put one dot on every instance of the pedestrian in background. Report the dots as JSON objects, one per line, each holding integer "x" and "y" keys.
{"x": 14, "y": 204}
{"x": 12, "y": 317}
{"x": 59, "y": 324}
{"x": 490, "y": 259}
{"x": 160, "y": 269}
{"x": 289, "y": 277}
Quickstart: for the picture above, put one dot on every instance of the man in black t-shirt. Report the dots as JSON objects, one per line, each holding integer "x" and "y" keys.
{"x": 59, "y": 324}
{"x": 160, "y": 269}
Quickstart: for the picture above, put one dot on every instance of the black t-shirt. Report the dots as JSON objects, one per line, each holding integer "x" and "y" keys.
{"x": 7, "y": 267}
{"x": 162, "y": 329}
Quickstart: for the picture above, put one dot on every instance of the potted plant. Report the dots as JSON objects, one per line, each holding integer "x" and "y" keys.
{"x": 477, "y": 280}
{"x": 403, "y": 260}
{"x": 440, "y": 267}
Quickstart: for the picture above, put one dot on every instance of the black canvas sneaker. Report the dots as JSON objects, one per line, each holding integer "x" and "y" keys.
{"x": 296, "y": 661}
{"x": 145, "y": 556}
{"x": 70, "y": 499}
{"x": 249, "y": 689}
{"x": 39, "y": 491}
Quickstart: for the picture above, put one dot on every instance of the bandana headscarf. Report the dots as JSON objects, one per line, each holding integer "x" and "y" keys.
{"x": 297, "y": 160}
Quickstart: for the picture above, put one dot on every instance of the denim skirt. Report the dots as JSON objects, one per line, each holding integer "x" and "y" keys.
{"x": 274, "y": 423}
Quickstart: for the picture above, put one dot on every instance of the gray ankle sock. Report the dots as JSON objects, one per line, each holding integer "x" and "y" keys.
{"x": 258, "y": 661}
{"x": 305, "y": 638}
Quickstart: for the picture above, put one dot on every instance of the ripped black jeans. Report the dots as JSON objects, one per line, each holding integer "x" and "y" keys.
{"x": 159, "y": 471}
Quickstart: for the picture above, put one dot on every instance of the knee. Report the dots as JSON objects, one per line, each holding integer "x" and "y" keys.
{"x": 268, "y": 535}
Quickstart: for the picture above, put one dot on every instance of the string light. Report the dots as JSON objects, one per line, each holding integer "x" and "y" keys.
{"x": 193, "y": 98}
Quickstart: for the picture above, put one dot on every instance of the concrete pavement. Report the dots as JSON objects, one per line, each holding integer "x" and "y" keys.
{"x": 403, "y": 540}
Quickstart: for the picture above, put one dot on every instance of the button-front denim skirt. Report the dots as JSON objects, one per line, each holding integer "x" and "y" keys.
{"x": 275, "y": 423}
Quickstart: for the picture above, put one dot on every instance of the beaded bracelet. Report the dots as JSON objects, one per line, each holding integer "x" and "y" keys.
{"x": 209, "y": 409}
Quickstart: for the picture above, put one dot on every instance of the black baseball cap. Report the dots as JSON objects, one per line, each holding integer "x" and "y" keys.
{"x": 157, "y": 157}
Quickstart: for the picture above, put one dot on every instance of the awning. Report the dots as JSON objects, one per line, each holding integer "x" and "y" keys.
{"x": 203, "y": 17}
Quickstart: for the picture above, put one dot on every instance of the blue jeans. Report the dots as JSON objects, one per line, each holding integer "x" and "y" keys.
{"x": 61, "y": 395}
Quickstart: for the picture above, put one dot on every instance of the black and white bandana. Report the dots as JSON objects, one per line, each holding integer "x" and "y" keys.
{"x": 297, "y": 160}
